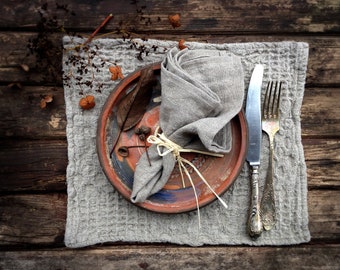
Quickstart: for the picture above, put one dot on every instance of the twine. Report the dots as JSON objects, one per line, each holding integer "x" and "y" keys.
{"x": 161, "y": 141}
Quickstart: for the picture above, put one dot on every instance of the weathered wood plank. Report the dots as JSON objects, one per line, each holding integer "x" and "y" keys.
{"x": 32, "y": 219}
{"x": 22, "y": 116}
{"x": 323, "y": 65}
{"x": 40, "y": 219}
{"x": 33, "y": 166}
{"x": 196, "y": 16}
{"x": 40, "y": 165}
{"x": 321, "y": 110}
{"x": 319, "y": 203}
{"x": 323, "y": 162}
{"x": 160, "y": 257}
{"x": 323, "y": 173}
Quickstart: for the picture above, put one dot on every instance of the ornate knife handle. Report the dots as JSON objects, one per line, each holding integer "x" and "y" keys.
{"x": 254, "y": 221}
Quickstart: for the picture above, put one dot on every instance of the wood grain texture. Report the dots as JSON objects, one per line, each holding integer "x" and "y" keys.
{"x": 32, "y": 219}
{"x": 172, "y": 257}
{"x": 320, "y": 112}
{"x": 23, "y": 117}
{"x": 196, "y": 16}
{"x": 33, "y": 166}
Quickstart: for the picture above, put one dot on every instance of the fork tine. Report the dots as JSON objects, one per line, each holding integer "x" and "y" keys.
{"x": 272, "y": 99}
{"x": 271, "y": 103}
{"x": 266, "y": 102}
{"x": 276, "y": 100}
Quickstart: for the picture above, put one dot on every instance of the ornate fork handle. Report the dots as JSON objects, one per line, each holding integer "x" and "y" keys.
{"x": 268, "y": 212}
{"x": 254, "y": 221}
{"x": 270, "y": 125}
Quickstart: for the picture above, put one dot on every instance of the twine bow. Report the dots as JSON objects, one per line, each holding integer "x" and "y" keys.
{"x": 161, "y": 141}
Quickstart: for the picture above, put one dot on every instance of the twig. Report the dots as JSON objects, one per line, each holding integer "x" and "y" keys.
{"x": 98, "y": 28}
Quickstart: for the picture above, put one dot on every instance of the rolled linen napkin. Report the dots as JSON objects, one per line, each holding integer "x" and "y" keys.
{"x": 202, "y": 90}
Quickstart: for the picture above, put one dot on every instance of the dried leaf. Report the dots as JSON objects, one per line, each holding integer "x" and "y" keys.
{"x": 175, "y": 20}
{"x": 132, "y": 108}
{"x": 25, "y": 67}
{"x": 46, "y": 99}
{"x": 42, "y": 104}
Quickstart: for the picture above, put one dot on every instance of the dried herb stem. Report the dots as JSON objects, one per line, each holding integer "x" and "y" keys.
{"x": 107, "y": 19}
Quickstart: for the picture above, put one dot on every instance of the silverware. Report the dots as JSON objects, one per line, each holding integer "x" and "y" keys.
{"x": 270, "y": 125}
{"x": 253, "y": 116}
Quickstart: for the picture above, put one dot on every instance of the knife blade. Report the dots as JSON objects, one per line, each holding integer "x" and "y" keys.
{"x": 253, "y": 117}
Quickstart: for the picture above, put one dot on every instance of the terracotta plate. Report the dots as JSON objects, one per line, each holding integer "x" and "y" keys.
{"x": 173, "y": 198}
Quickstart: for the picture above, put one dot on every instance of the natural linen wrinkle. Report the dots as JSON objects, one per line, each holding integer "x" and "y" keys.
{"x": 202, "y": 90}
{"x": 160, "y": 140}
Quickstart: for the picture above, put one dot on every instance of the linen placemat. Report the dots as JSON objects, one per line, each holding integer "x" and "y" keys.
{"x": 97, "y": 213}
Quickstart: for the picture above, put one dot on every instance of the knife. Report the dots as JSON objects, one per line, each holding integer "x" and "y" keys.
{"x": 253, "y": 116}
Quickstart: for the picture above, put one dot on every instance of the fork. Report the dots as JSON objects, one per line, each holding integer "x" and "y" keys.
{"x": 270, "y": 125}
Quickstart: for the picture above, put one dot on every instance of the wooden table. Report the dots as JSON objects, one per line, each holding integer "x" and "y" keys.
{"x": 33, "y": 146}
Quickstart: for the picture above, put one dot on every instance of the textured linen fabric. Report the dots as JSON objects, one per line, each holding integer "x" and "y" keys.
{"x": 202, "y": 90}
{"x": 96, "y": 213}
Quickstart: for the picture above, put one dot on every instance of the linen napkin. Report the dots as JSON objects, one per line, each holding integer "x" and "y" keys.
{"x": 96, "y": 213}
{"x": 202, "y": 90}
